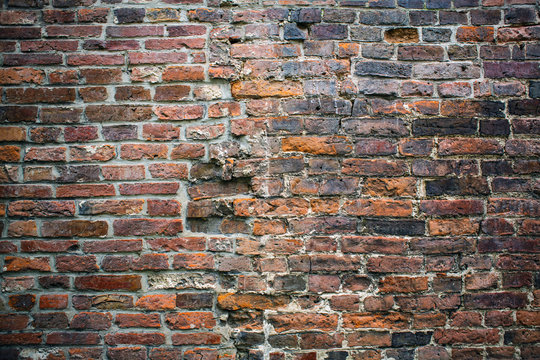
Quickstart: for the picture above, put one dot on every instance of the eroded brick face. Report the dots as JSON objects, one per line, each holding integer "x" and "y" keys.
{"x": 270, "y": 179}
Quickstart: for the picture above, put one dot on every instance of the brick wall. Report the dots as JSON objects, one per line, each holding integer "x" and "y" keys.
{"x": 270, "y": 179}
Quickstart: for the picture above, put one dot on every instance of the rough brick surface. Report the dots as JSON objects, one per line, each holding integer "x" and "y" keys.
{"x": 269, "y": 179}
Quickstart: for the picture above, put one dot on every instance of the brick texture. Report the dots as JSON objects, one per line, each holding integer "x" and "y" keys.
{"x": 270, "y": 179}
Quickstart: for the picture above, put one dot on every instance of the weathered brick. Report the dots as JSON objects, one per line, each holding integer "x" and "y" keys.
{"x": 383, "y": 69}
{"x": 319, "y": 151}
{"x": 390, "y": 320}
{"x": 451, "y": 336}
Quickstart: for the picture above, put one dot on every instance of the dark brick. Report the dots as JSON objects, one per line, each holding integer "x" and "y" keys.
{"x": 246, "y": 340}
{"x": 129, "y": 15}
{"x": 292, "y": 32}
{"x": 524, "y": 107}
{"x": 82, "y": 173}
{"x": 119, "y": 132}
{"x": 520, "y": 15}
{"x": 306, "y": 16}
{"x": 419, "y": 18}
{"x": 521, "y": 70}
{"x": 289, "y": 283}
{"x": 464, "y": 52}
{"x": 438, "y": 4}
{"x": 497, "y": 127}
{"x": 457, "y": 186}
{"x": 383, "y": 69}
{"x": 421, "y": 52}
{"x": 56, "y": 320}
{"x": 378, "y": 51}
{"x": 383, "y": 17}
{"x": 339, "y": 15}
{"x": 485, "y": 17}
{"x": 496, "y": 167}
{"x": 337, "y": 355}
{"x": 444, "y": 126}
{"x": 495, "y": 300}
{"x": 465, "y": 3}
{"x": 452, "y": 17}
{"x": 395, "y": 227}
{"x": 436, "y": 35}
{"x": 411, "y": 4}
{"x": 329, "y": 32}
{"x": 400, "y": 339}
{"x": 534, "y": 89}
{"x": 400, "y": 354}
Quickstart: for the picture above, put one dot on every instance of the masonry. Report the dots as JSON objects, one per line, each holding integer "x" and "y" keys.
{"x": 270, "y": 179}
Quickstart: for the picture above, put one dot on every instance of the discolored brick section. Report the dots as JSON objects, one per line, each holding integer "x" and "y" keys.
{"x": 270, "y": 179}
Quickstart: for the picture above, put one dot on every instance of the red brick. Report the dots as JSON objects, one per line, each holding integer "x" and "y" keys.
{"x": 394, "y": 264}
{"x": 76, "y": 263}
{"x": 378, "y": 208}
{"x": 452, "y": 207}
{"x": 98, "y": 15}
{"x": 261, "y": 88}
{"x": 108, "y": 282}
{"x": 31, "y": 338}
{"x": 198, "y": 338}
{"x": 45, "y": 154}
{"x": 195, "y": 261}
{"x": 156, "y": 58}
{"x": 148, "y": 188}
{"x": 92, "y": 153}
{"x": 469, "y": 146}
{"x": 157, "y": 302}
{"x": 14, "y": 263}
{"x": 13, "y": 322}
{"x": 112, "y": 246}
{"x": 82, "y": 228}
{"x": 91, "y": 321}
{"x": 429, "y": 320}
{"x": 475, "y": 34}
{"x": 136, "y": 227}
{"x": 135, "y": 31}
{"x": 124, "y": 353}
{"x": 179, "y": 112}
{"x": 134, "y": 338}
{"x": 160, "y": 132}
{"x": 146, "y": 151}
{"x": 138, "y": 320}
{"x": 231, "y": 301}
{"x": 403, "y": 284}
{"x": 163, "y": 207}
{"x": 190, "y": 320}
{"x": 99, "y": 60}
{"x": 369, "y": 338}
{"x": 390, "y": 320}
{"x": 463, "y": 336}
{"x": 374, "y": 167}
{"x": 177, "y": 244}
{"x": 183, "y": 73}
{"x": 16, "y": 75}
{"x": 453, "y": 227}
{"x": 223, "y": 109}
{"x": 53, "y": 301}
{"x": 105, "y": 113}
{"x": 303, "y": 321}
